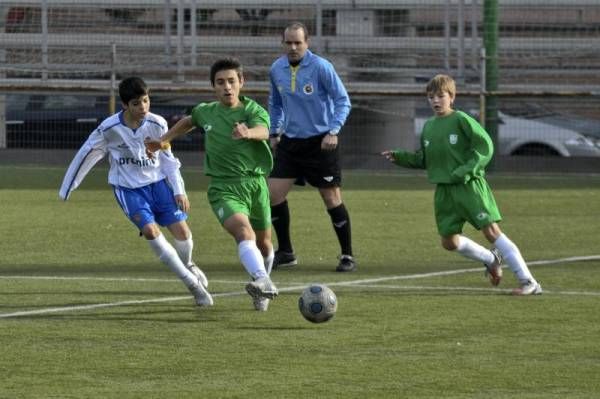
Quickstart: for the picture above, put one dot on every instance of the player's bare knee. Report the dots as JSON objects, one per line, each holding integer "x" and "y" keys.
{"x": 264, "y": 246}
{"x": 449, "y": 244}
{"x": 332, "y": 197}
{"x": 491, "y": 232}
{"x": 277, "y": 200}
{"x": 263, "y": 241}
{"x": 180, "y": 231}
{"x": 279, "y": 189}
{"x": 277, "y": 196}
{"x": 244, "y": 233}
{"x": 150, "y": 231}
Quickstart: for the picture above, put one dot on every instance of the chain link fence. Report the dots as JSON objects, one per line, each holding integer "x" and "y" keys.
{"x": 60, "y": 61}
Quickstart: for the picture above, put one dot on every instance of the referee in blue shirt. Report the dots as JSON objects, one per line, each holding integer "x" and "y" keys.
{"x": 308, "y": 105}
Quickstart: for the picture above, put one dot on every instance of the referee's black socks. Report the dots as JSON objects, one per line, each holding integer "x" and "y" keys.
{"x": 280, "y": 219}
{"x": 341, "y": 224}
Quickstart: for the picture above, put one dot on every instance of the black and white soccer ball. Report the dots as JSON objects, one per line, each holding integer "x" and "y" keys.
{"x": 317, "y": 303}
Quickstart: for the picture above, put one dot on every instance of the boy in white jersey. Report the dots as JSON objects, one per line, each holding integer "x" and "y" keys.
{"x": 151, "y": 192}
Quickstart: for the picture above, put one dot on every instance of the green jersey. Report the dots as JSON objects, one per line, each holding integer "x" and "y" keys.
{"x": 454, "y": 149}
{"x": 226, "y": 157}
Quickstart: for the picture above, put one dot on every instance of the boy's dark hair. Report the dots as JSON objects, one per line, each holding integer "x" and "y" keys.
{"x": 295, "y": 26}
{"x": 225, "y": 64}
{"x": 132, "y": 88}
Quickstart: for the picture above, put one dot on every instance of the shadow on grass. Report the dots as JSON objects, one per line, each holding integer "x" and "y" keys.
{"x": 171, "y": 314}
{"x": 138, "y": 294}
{"x": 52, "y": 270}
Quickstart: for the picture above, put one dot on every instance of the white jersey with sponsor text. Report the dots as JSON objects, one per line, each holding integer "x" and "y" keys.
{"x": 130, "y": 166}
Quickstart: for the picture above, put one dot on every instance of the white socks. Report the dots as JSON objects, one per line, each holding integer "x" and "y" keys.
{"x": 184, "y": 250}
{"x": 269, "y": 261}
{"x": 167, "y": 254}
{"x": 470, "y": 249}
{"x": 509, "y": 251}
{"x": 513, "y": 258}
{"x": 252, "y": 259}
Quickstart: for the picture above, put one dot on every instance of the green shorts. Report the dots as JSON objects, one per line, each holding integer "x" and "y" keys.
{"x": 456, "y": 204}
{"x": 247, "y": 195}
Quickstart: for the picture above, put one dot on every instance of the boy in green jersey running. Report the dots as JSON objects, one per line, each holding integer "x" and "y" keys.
{"x": 237, "y": 159}
{"x": 455, "y": 150}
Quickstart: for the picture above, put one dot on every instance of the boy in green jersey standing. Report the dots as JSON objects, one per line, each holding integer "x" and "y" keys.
{"x": 237, "y": 159}
{"x": 455, "y": 150}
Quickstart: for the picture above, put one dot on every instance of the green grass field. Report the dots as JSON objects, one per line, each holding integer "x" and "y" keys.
{"x": 86, "y": 311}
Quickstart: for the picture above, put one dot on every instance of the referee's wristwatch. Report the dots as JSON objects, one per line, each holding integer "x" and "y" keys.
{"x": 333, "y": 132}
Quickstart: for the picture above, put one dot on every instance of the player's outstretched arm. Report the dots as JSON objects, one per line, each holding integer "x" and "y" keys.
{"x": 182, "y": 127}
{"x": 407, "y": 159}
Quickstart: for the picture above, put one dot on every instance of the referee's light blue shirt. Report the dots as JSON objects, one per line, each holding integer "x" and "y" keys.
{"x": 309, "y": 101}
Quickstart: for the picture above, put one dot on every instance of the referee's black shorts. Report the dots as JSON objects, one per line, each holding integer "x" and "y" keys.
{"x": 304, "y": 160}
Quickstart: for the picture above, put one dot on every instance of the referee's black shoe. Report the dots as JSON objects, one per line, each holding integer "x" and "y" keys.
{"x": 284, "y": 259}
{"x": 346, "y": 264}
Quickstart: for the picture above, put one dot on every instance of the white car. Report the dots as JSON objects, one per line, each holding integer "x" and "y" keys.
{"x": 520, "y": 136}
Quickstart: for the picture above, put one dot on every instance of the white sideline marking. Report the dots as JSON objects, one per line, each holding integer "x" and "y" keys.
{"x": 125, "y": 279}
{"x": 401, "y": 277}
{"x": 86, "y": 307}
{"x": 490, "y": 290}
{"x": 364, "y": 282}
{"x": 469, "y": 270}
{"x": 566, "y": 260}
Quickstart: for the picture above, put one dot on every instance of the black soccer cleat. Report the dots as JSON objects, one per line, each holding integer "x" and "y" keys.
{"x": 284, "y": 259}
{"x": 347, "y": 264}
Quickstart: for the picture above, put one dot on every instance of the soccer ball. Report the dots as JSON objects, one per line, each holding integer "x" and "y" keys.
{"x": 317, "y": 303}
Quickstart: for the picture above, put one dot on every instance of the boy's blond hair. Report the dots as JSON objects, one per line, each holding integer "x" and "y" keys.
{"x": 440, "y": 84}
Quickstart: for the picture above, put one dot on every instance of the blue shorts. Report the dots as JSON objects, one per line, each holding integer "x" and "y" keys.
{"x": 154, "y": 203}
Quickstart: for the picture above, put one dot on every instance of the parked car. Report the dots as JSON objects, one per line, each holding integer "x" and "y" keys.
{"x": 587, "y": 126}
{"x": 66, "y": 120}
{"x": 521, "y": 136}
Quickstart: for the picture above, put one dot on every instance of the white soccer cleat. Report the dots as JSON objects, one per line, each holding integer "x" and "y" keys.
{"x": 192, "y": 267}
{"x": 528, "y": 288}
{"x": 494, "y": 270}
{"x": 261, "y": 304}
{"x": 262, "y": 288}
{"x": 201, "y": 295}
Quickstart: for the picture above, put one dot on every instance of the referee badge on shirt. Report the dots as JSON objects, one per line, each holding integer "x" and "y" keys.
{"x": 308, "y": 89}
{"x": 453, "y": 138}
